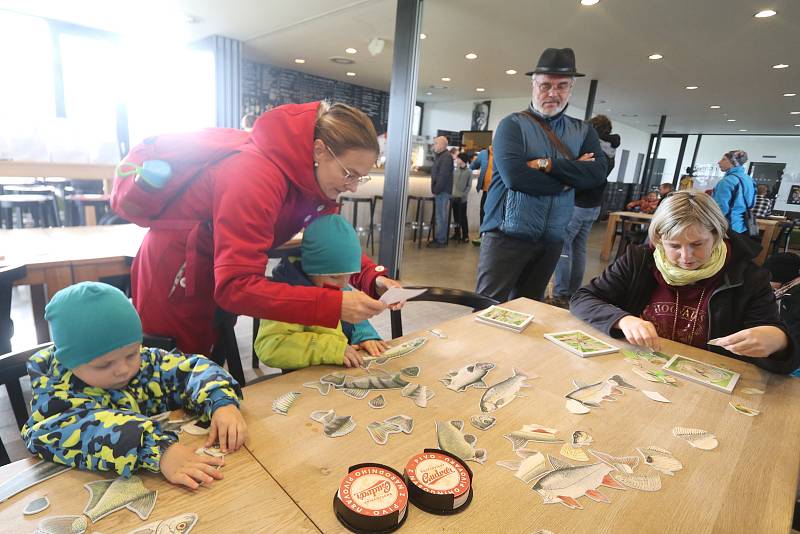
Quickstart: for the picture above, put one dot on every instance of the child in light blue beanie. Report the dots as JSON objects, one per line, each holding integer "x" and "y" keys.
{"x": 96, "y": 389}
{"x": 330, "y": 253}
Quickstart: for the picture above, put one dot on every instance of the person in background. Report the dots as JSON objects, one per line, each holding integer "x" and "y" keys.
{"x": 735, "y": 192}
{"x": 646, "y": 204}
{"x": 441, "y": 187}
{"x": 762, "y": 208}
{"x": 97, "y": 388}
{"x": 572, "y": 263}
{"x": 785, "y": 271}
{"x": 329, "y": 254}
{"x": 687, "y": 180}
{"x": 665, "y": 189}
{"x": 694, "y": 282}
{"x": 483, "y": 163}
{"x": 462, "y": 179}
{"x": 248, "y": 121}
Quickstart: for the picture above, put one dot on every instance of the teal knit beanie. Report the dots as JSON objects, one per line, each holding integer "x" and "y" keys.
{"x": 330, "y": 246}
{"x": 90, "y": 319}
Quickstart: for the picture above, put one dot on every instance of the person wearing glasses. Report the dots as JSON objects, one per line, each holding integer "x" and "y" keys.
{"x": 289, "y": 171}
{"x": 541, "y": 157}
{"x": 694, "y": 283}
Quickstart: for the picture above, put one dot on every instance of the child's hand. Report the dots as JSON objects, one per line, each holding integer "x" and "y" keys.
{"x": 180, "y": 465}
{"x": 227, "y": 427}
{"x": 352, "y": 358}
{"x": 374, "y": 347}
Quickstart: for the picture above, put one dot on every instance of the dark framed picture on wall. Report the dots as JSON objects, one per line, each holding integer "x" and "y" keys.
{"x": 794, "y": 195}
{"x": 480, "y": 116}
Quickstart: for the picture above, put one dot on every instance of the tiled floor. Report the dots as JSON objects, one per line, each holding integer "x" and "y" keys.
{"x": 454, "y": 266}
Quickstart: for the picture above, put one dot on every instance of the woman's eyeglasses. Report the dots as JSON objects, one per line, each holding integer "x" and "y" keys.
{"x": 349, "y": 177}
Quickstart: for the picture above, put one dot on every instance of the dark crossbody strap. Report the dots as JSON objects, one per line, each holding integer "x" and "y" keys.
{"x": 560, "y": 146}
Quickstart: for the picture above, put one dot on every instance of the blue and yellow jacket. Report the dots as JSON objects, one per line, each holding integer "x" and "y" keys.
{"x": 97, "y": 429}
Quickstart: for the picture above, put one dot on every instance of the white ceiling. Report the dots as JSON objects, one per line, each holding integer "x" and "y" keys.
{"x": 714, "y": 44}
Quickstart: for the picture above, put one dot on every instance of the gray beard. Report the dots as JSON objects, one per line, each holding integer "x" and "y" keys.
{"x": 548, "y": 114}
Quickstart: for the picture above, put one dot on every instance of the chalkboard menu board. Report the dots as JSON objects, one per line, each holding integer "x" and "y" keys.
{"x": 265, "y": 87}
{"x": 453, "y": 138}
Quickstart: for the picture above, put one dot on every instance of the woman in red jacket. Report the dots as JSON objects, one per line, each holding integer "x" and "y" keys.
{"x": 287, "y": 172}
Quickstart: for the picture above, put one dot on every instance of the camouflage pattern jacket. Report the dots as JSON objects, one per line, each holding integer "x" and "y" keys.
{"x": 110, "y": 430}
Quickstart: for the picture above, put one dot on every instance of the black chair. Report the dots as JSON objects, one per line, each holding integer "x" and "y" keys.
{"x": 39, "y": 206}
{"x": 51, "y": 212}
{"x": 8, "y": 275}
{"x": 442, "y": 294}
{"x": 784, "y": 236}
{"x": 630, "y": 236}
{"x": 12, "y": 368}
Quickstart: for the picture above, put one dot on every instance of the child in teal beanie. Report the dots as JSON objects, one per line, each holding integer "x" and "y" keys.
{"x": 330, "y": 253}
{"x": 96, "y": 389}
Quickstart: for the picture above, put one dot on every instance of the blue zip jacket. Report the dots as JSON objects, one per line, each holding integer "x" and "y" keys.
{"x": 482, "y": 163}
{"x": 551, "y": 195}
{"x": 745, "y": 196}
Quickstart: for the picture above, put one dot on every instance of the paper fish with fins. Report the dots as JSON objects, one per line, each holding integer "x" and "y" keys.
{"x": 531, "y": 465}
{"x": 180, "y": 524}
{"x": 108, "y": 496}
{"x": 539, "y": 434}
{"x": 469, "y": 375}
{"x": 334, "y": 426}
{"x": 359, "y": 387}
{"x": 565, "y": 483}
{"x": 504, "y": 392}
{"x": 395, "y": 352}
{"x": 591, "y": 395}
{"x": 453, "y": 441}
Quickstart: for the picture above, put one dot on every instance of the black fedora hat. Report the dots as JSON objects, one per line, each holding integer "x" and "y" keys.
{"x": 556, "y": 61}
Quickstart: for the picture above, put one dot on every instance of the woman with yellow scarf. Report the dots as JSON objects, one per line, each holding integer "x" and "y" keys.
{"x": 693, "y": 283}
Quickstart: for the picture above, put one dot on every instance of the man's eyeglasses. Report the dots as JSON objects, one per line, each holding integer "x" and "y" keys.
{"x": 546, "y": 87}
{"x": 349, "y": 177}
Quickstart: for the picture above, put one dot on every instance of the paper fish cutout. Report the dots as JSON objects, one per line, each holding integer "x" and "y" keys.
{"x": 566, "y": 483}
{"x": 537, "y": 433}
{"x": 355, "y": 393}
{"x": 334, "y": 426}
{"x": 752, "y": 391}
{"x": 656, "y": 358}
{"x": 36, "y": 505}
{"x": 38, "y": 472}
{"x": 410, "y": 371}
{"x": 660, "y": 459}
{"x": 214, "y": 451}
{"x": 395, "y": 352}
{"x": 452, "y": 440}
{"x": 323, "y": 387}
{"x": 108, "y": 496}
{"x": 180, "y": 524}
{"x": 591, "y": 395}
{"x": 377, "y": 402}
{"x": 282, "y": 404}
{"x": 581, "y": 438}
{"x": 639, "y": 482}
{"x": 504, "y": 392}
{"x": 469, "y": 375}
{"x": 483, "y": 421}
{"x": 656, "y": 375}
{"x": 700, "y": 439}
{"x": 623, "y": 464}
{"x": 576, "y": 407}
{"x": 573, "y": 453}
{"x": 358, "y": 387}
{"x": 656, "y": 396}
{"x": 420, "y": 394}
{"x": 380, "y": 431}
{"x": 531, "y": 466}
{"x": 63, "y": 524}
{"x": 742, "y": 409}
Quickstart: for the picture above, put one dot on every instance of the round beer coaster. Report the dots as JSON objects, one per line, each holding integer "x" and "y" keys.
{"x": 438, "y": 482}
{"x": 371, "y": 498}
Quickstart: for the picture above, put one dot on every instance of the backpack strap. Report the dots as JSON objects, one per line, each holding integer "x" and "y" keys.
{"x": 560, "y": 146}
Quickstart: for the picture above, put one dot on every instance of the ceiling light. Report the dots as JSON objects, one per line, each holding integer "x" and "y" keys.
{"x": 299, "y": 60}
{"x": 691, "y": 87}
{"x": 780, "y": 66}
{"x": 351, "y": 50}
{"x": 742, "y": 130}
{"x": 713, "y": 107}
{"x": 429, "y": 93}
{"x": 765, "y": 14}
{"x": 794, "y": 113}
{"x": 339, "y": 60}
{"x": 797, "y": 125}
{"x": 731, "y": 120}
{"x": 472, "y": 55}
{"x": 350, "y": 73}
{"x": 423, "y": 36}
{"x": 589, "y": 2}
{"x": 511, "y": 72}
{"x": 445, "y": 79}
{"x": 655, "y": 56}
{"x": 480, "y": 89}
{"x": 789, "y": 94}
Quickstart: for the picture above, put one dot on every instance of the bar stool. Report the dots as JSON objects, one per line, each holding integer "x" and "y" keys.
{"x": 356, "y": 201}
{"x": 47, "y": 190}
{"x": 373, "y": 226}
{"x": 74, "y": 207}
{"x": 418, "y": 224}
{"x": 37, "y": 205}
{"x": 432, "y": 226}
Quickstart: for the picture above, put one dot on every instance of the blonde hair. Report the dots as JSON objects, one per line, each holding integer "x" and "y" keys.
{"x": 342, "y": 127}
{"x": 683, "y": 209}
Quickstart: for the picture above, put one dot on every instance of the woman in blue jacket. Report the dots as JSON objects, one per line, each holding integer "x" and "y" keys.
{"x": 736, "y": 192}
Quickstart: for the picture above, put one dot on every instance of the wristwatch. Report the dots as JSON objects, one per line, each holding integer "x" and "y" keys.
{"x": 542, "y": 164}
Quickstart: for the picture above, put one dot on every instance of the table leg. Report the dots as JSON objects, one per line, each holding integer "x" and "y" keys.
{"x": 608, "y": 240}
{"x": 766, "y": 241}
{"x": 38, "y": 302}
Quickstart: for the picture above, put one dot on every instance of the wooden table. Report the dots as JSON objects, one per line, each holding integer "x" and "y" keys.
{"x": 768, "y": 227}
{"x": 747, "y": 484}
{"x": 247, "y": 500}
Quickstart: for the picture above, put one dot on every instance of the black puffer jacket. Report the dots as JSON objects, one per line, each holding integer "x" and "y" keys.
{"x": 743, "y": 300}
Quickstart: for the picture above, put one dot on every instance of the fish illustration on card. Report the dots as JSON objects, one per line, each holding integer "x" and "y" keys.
{"x": 697, "y": 438}
{"x": 323, "y": 387}
{"x": 591, "y": 395}
{"x": 108, "y": 496}
{"x": 660, "y": 459}
{"x": 334, "y": 426}
{"x": 420, "y": 394}
{"x": 529, "y": 467}
{"x": 380, "y": 431}
{"x": 453, "y": 440}
{"x": 623, "y": 464}
{"x": 359, "y": 387}
{"x": 471, "y": 375}
{"x": 483, "y": 421}
{"x": 412, "y": 371}
{"x": 573, "y": 453}
{"x": 397, "y": 351}
{"x": 179, "y": 524}
{"x": 581, "y": 438}
{"x": 282, "y": 404}
{"x": 656, "y": 375}
{"x": 63, "y": 524}
{"x": 504, "y": 392}
{"x": 377, "y": 402}
{"x": 566, "y": 483}
{"x": 536, "y": 433}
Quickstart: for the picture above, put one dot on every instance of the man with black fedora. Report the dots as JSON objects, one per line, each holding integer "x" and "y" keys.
{"x": 541, "y": 156}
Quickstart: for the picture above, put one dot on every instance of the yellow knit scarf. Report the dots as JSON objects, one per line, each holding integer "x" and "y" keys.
{"x": 676, "y": 276}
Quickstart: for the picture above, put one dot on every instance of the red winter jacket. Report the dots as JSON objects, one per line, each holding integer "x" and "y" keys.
{"x": 245, "y": 205}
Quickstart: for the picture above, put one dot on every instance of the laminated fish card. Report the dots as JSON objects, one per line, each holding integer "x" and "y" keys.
{"x": 581, "y": 343}
{"x": 371, "y": 498}
{"x": 505, "y": 318}
{"x": 438, "y": 482}
{"x": 702, "y": 373}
